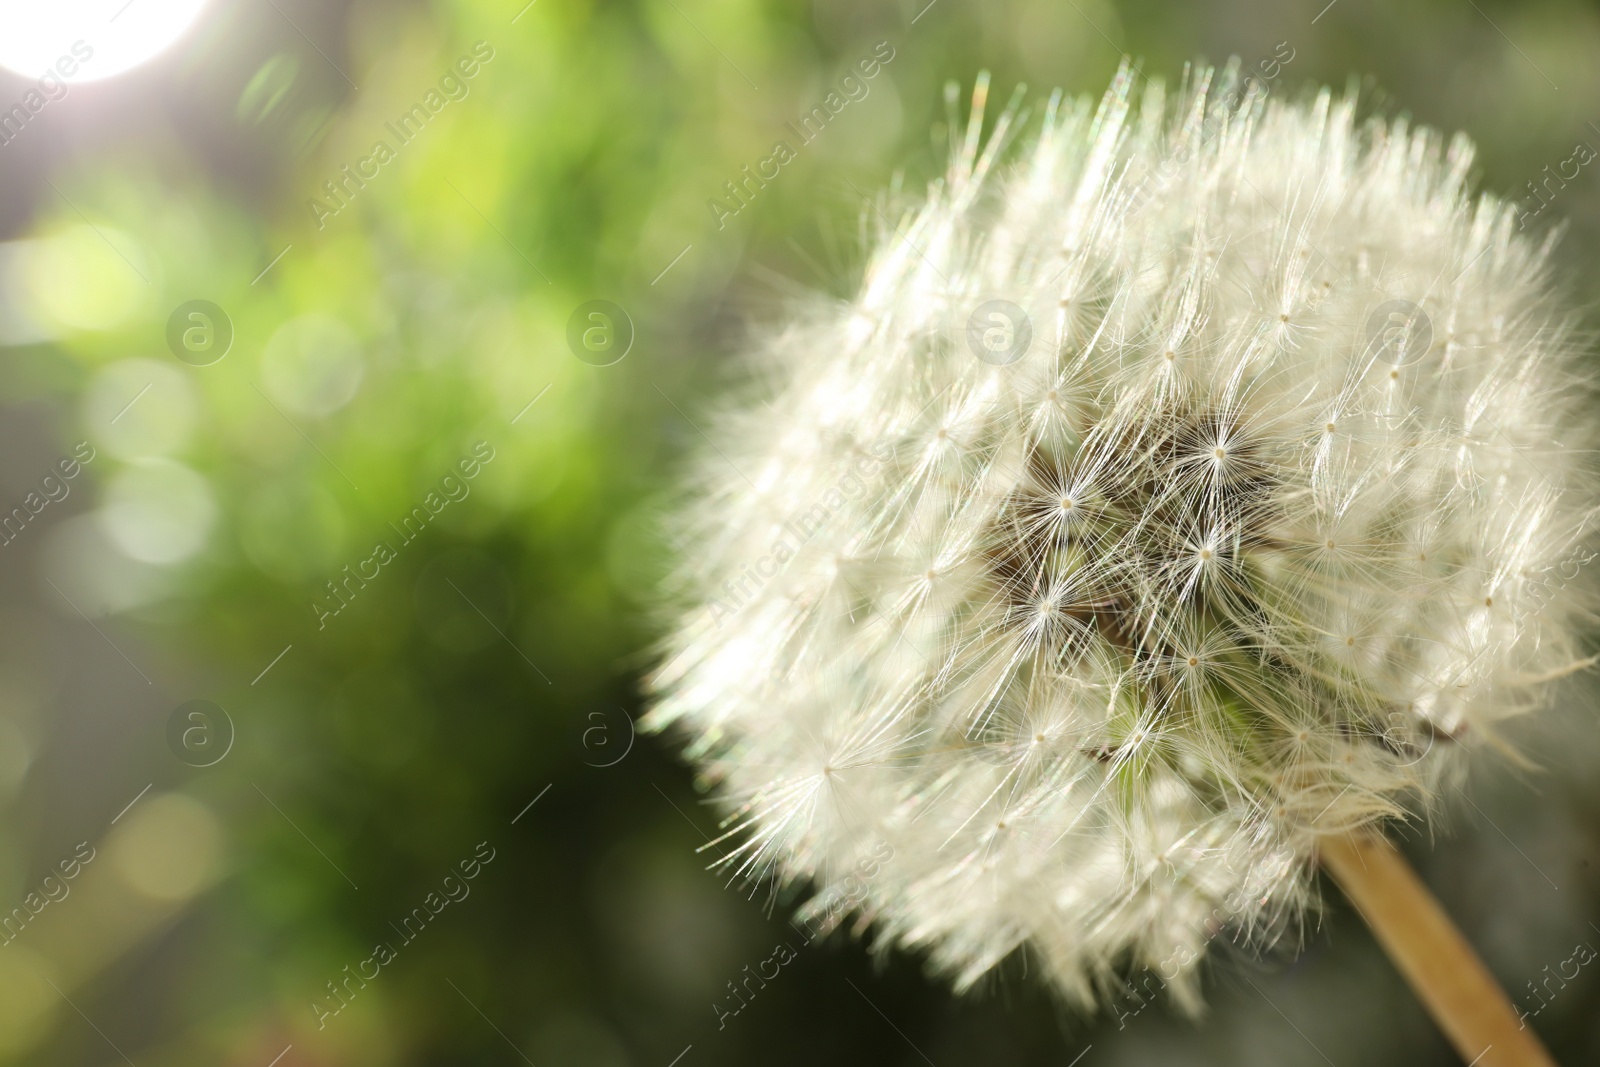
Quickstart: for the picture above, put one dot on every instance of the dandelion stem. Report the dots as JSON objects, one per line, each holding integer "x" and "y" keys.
{"x": 1444, "y": 971}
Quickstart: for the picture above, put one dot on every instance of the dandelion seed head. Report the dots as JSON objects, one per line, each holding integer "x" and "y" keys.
{"x": 1082, "y": 650}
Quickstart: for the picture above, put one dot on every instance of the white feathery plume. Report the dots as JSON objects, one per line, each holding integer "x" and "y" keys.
{"x": 1166, "y": 499}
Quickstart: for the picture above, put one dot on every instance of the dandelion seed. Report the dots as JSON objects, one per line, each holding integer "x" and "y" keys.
{"x": 1201, "y": 603}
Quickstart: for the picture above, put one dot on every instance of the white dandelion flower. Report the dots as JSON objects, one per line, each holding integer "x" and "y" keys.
{"x": 1166, "y": 500}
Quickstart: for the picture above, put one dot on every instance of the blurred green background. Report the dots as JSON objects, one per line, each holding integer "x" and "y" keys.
{"x": 360, "y": 758}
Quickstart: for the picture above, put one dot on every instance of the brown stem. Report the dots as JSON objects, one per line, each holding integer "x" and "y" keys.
{"x": 1426, "y": 947}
